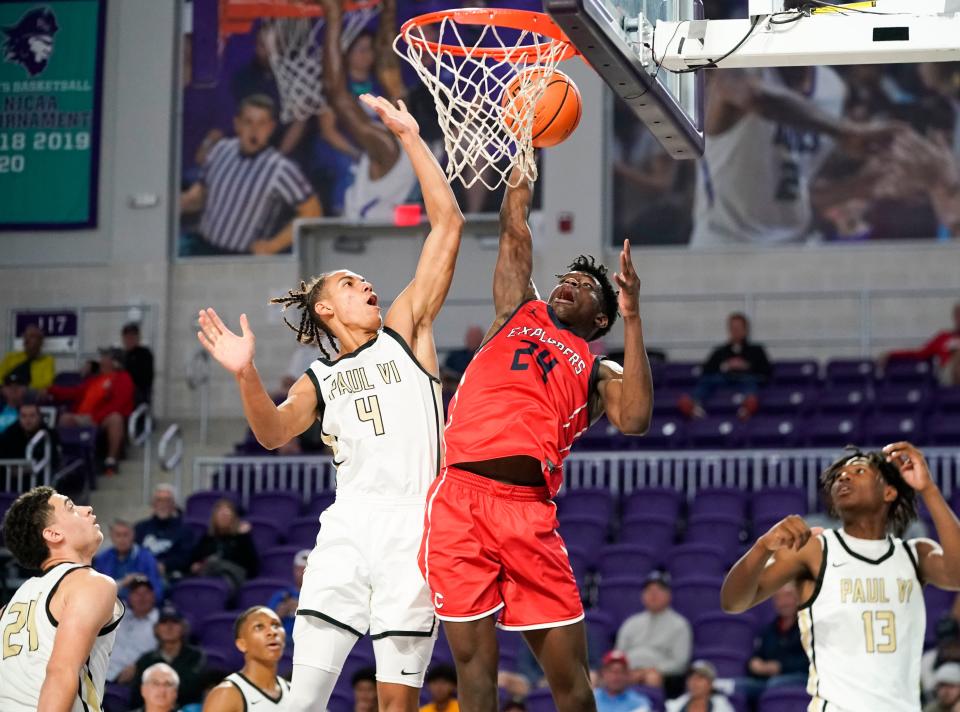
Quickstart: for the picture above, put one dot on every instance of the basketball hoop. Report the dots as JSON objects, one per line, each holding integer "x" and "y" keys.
{"x": 294, "y": 39}
{"x": 468, "y": 59}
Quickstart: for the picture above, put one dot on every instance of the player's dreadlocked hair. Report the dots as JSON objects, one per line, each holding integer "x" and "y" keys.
{"x": 608, "y": 295}
{"x": 311, "y": 330}
{"x": 903, "y": 509}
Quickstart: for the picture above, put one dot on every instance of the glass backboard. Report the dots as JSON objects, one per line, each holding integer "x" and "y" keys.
{"x": 616, "y": 39}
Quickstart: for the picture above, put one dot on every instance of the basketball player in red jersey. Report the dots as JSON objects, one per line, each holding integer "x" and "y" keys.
{"x": 490, "y": 543}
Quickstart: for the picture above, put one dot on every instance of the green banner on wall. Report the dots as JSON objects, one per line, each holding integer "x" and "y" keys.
{"x": 50, "y": 73}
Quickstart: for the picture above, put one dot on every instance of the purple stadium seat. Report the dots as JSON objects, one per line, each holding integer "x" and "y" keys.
{"x": 278, "y": 505}
{"x": 599, "y": 436}
{"x": 510, "y": 641}
{"x": 619, "y": 597}
{"x": 116, "y": 697}
{"x": 340, "y": 702}
{"x": 665, "y": 399}
{"x": 900, "y": 397}
{"x": 770, "y": 431}
{"x": 843, "y": 398}
{"x": 197, "y": 598}
{"x": 681, "y": 375}
{"x": 584, "y": 532}
{"x": 199, "y": 527}
{"x": 651, "y": 531}
{"x": 695, "y": 561}
{"x": 833, "y": 430}
{"x": 666, "y": 432}
{"x": 713, "y": 630}
{"x": 714, "y": 432}
{"x": 356, "y": 660}
{"x": 277, "y": 562}
{"x": 720, "y": 530}
{"x": 849, "y": 371}
{"x": 728, "y": 501}
{"x": 778, "y": 502}
{"x": 593, "y": 502}
{"x": 943, "y": 428}
{"x": 216, "y": 629}
{"x": 724, "y": 402}
{"x": 789, "y": 400}
{"x": 601, "y": 631}
{"x": 658, "y": 501}
{"x": 258, "y": 591}
{"x": 580, "y": 562}
{"x": 218, "y": 660}
{"x": 200, "y": 504}
{"x": 784, "y": 699}
{"x": 540, "y": 700}
{"x": 883, "y": 428}
{"x": 441, "y": 650}
{"x": 693, "y": 597}
{"x": 303, "y": 532}
{"x": 947, "y": 399}
{"x": 795, "y": 373}
{"x": 266, "y": 533}
{"x": 622, "y": 559}
{"x": 729, "y": 661}
{"x": 908, "y": 371}
{"x": 320, "y": 502}
{"x": 6, "y": 499}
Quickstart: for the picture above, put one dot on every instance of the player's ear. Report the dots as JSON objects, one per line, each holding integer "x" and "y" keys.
{"x": 322, "y": 309}
{"x": 889, "y": 493}
{"x": 241, "y": 645}
{"x": 600, "y": 321}
{"x": 52, "y": 535}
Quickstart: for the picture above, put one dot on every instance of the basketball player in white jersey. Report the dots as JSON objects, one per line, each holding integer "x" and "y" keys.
{"x": 379, "y": 406}
{"x": 57, "y": 631}
{"x": 863, "y": 618}
{"x": 383, "y": 177}
{"x": 768, "y": 133}
{"x": 260, "y": 637}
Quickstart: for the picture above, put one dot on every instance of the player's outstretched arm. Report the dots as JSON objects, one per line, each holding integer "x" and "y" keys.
{"x": 272, "y": 425}
{"x": 224, "y": 698}
{"x": 789, "y": 551}
{"x": 512, "y": 277}
{"x": 85, "y": 605}
{"x": 939, "y": 565}
{"x": 626, "y": 394}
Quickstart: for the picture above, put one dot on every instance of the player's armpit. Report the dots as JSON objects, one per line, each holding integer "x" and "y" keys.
{"x": 224, "y": 698}
{"x": 935, "y": 568}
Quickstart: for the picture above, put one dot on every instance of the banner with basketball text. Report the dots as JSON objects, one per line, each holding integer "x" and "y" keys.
{"x": 51, "y": 56}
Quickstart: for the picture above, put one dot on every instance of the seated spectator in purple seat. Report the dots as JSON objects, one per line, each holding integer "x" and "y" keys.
{"x": 739, "y": 364}
{"x": 126, "y": 561}
{"x": 14, "y": 391}
{"x": 944, "y": 348}
{"x": 165, "y": 535}
{"x": 284, "y": 602}
{"x": 947, "y": 690}
{"x": 159, "y": 689}
{"x": 14, "y": 440}
{"x": 778, "y": 658}
{"x": 613, "y": 694}
{"x": 658, "y": 641}
{"x": 700, "y": 695}
{"x": 135, "y": 636}
{"x": 364, "y": 684}
{"x": 35, "y": 368}
{"x": 227, "y": 549}
{"x": 173, "y": 649}
{"x": 138, "y": 362}
{"x": 441, "y": 682}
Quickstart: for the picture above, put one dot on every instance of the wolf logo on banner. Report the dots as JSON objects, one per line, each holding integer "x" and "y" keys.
{"x": 29, "y": 43}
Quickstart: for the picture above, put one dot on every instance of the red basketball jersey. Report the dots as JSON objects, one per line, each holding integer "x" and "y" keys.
{"x": 524, "y": 393}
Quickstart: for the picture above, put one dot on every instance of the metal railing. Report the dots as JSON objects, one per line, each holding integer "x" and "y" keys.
{"x": 139, "y": 432}
{"x": 170, "y": 454}
{"x": 620, "y": 472}
{"x": 198, "y": 379}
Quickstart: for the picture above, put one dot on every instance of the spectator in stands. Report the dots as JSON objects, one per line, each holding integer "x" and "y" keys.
{"x": 165, "y": 535}
{"x": 14, "y": 389}
{"x": 135, "y": 637}
{"x": 778, "y": 657}
{"x": 249, "y": 193}
{"x": 613, "y": 694}
{"x": 159, "y": 688}
{"x": 14, "y": 440}
{"x": 700, "y": 695}
{"x": 364, "y": 684}
{"x": 947, "y": 679}
{"x": 138, "y": 361}
{"x": 514, "y": 705}
{"x": 35, "y": 368}
{"x": 657, "y": 642}
{"x": 441, "y": 683}
{"x": 126, "y": 561}
{"x": 458, "y": 359}
{"x": 739, "y": 365}
{"x": 947, "y": 650}
{"x": 105, "y": 400}
{"x": 944, "y": 348}
{"x": 227, "y": 549}
{"x": 284, "y": 602}
{"x": 173, "y": 649}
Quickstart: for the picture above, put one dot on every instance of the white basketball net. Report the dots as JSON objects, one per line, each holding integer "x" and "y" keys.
{"x": 468, "y": 92}
{"x": 295, "y": 46}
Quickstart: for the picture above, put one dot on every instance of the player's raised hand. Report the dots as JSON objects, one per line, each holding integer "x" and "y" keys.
{"x": 398, "y": 120}
{"x": 234, "y": 352}
{"x": 911, "y": 463}
{"x": 628, "y": 300}
{"x": 789, "y": 533}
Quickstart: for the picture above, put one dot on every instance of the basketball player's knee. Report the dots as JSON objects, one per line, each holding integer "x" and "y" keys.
{"x": 578, "y": 697}
{"x": 401, "y": 700}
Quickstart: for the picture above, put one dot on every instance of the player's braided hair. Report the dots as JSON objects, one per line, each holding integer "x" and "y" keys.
{"x": 311, "y": 329}
{"x": 608, "y": 295}
{"x": 23, "y": 527}
{"x": 903, "y": 509}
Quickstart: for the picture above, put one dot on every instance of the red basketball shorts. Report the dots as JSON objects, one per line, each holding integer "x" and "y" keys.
{"x": 488, "y": 545}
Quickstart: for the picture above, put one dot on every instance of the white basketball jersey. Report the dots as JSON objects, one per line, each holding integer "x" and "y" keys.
{"x": 381, "y": 414}
{"x": 374, "y": 200}
{"x": 253, "y": 695}
{"x": 753, "y": 182}
{"x": 863, "y": 631}
{"x": 27, "y": 632}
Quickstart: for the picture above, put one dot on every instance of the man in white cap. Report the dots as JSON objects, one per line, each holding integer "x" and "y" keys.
{"x": 700, "y": 694}
{"x": 284, "y": 602}
{"x": 947, "y": 681}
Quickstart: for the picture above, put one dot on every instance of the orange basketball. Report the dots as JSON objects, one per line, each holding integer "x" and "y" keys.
{"x": 557, "y": 112}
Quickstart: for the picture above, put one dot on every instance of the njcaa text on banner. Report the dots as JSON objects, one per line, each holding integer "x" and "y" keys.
{"x": 50, "y": 73}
